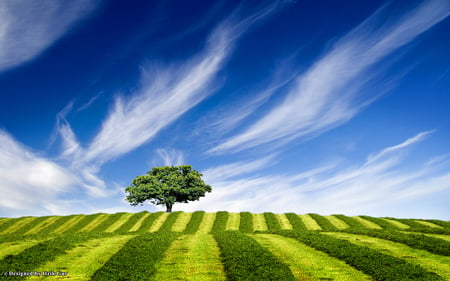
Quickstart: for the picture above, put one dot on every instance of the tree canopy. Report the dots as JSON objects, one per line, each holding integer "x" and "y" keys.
{"x": 166, "y": 186}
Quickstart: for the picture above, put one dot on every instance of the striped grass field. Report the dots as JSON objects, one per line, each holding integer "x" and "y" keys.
{"x": 224, "y": 246}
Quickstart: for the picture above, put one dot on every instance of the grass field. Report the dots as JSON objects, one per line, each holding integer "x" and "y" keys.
{"x": 223, "y": 246}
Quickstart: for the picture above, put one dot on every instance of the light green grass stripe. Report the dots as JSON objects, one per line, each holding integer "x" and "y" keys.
{"x": 138, "y": 224}
{"x": 307, "y": 263}
{"x": 15, "y": 247}
{"x": 68, "y": 224}
{"x": 18, "y": 224}
{"x": 338, "y": 223}
{"x": 429, "y": 224}
{"x": 396, "y": 223}
{"x": 82, "y": 261}
{"x": 233, "y": 221}
{"x": 259, "y": 222}
{"x": 207, "y": 223}
{"x": 118, "y": 223}
{"x": 158, "y": 222}
{"x": 284, "y": 221}
{"x": 191, "y": 258}
{"x": 309, "y": 222}
{"x": 440, "y": 236}
{"x": 181, "y": 222}
{"x": 42, "y": 225}
{"x": 367, "y": 224}
{"x": 95, "y": 222}
{"x": 431, "y": 262}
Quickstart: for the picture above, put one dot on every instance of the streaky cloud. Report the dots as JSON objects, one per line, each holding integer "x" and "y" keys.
{"x": 28, "y": 28}
{"x": 329, "y": 93}
{"x": 171, "y": 157}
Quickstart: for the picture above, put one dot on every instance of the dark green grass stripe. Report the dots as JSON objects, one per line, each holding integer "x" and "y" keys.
{"x": 381, "y": 222}
{"x": 324, "y": 223}
{"x": 296, "y": 222}
{"x": 246, "y": 222}
{"x": 82, "y": 223}
{"x": 124, "y": 228}
{"x": 52, "y": 227}
{"x": 379, "y": 266}
{"x": 194, "y": 223}
{"x": 23, "y": 229}
{"x": 444, "y": 224}
{"x": 413, "y": 240}
{"x": 418, "y": 227}
{"x": 41, "y": 253}
{"x": 272, "y": 222}
{"x": 220, "y": 223}
{"x": 137, "y": 259}
{"x": 108, "y": 222}
{"x": 245, "y": 259}
{"x": 10, "y": 222}
{"x": 351, "y": 222}
{"x": 148, "y": 222}
{"x": 169, "y": 222}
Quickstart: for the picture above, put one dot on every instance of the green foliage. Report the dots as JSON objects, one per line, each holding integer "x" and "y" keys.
{"x": 124, "y": 228}
{"x": 325, "y": 224}
{"x": 244, "y": 259}
{"x": 220, "y": 223}
{"x": 272, "y": 222}
{"x": 194, "y": 223}
{"x": 246, "y": 222}
{"x": 166, "y": 186}
{"x": 169, "y": 222}
{"x": 417, "y": 241}
{"x": 371, "y": 262}
{"x": 136, "y": 260}
{"x": 296, "y": 222}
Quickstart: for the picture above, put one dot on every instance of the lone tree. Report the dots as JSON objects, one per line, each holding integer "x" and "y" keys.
{"x": 166, "y": 186}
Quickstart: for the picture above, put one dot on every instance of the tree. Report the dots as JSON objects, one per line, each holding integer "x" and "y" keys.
{"x": 166, "y": 186}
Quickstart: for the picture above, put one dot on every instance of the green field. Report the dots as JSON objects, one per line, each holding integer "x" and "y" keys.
{"x": 223, "y": 246}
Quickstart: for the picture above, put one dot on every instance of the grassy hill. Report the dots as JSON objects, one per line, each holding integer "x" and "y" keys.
{"x": 223, "y": 246}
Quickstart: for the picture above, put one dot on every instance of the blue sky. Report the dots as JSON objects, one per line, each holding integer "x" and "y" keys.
{"x": 284, "y": 106}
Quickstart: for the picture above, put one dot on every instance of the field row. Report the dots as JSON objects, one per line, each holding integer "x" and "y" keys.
{"x": 222, "y": 255}
{"x": 201, "y": 222}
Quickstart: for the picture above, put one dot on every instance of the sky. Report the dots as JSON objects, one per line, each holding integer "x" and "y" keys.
{"x": 328, "y": 107}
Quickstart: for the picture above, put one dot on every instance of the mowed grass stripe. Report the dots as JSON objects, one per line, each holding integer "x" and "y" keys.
{"x": 17, "y": 224}
{"x": 148, "y": 222}
{"x": 207, "y": 223}
{"x": 181, "y": 222}
{"x": 95, "y": 222}
{"x": 272, "y": 222}
{"x": 82, "y": 261}
{"x": 259, "y": 222}
{"x": 283, "y": 221}
{"x": 367, "y": 223}
{"x": 431, "y": 262}
{"x": 220, "y": 222}
{"x": 246, "y": 222}
{"x": 125, "y": 227}
{"x": 384, "y": 223}
{"x": 233, "y": 221}
{"x": 310, "y": 223}
{"x": 68, "y": 224}
{"x": 307, "y": 263}
{"x": 42, "y": 225}
{"x": 336, "y": 222}
{"x": 27, "y": 226}
{"x": 170, "y": 221}
{"x": 137, "y": 259}
{"x": 194, "y": 222}
{"x": 429, "y": 224}
{"x": 296, "y": 222}
{"x": 15, "y": 247}
{"x": 110, "y": 219}
{"x": 50, "y": 228}
{"x": 440, "y": 236}
{"x": 139, "y": 223}
{"x": 191, "y": 258}
{"x": 82, "y": 223}
{"x": 158, "y": 222}
{"x": 396, "y": 223}
{"x": 119, "y": 222}
{"x": 323, "y": 222}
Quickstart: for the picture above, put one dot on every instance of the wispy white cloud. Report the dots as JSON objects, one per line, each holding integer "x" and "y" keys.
{"x": 27, "y": 28}
{"x": 379, "y": 186}
{"x": 28, "y": 179}
{"x": 328, "y": 93}
{"x": 171, "y": 157}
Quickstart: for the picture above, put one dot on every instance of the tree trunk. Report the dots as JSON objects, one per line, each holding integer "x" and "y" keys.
{"x": 168, "y": 208}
